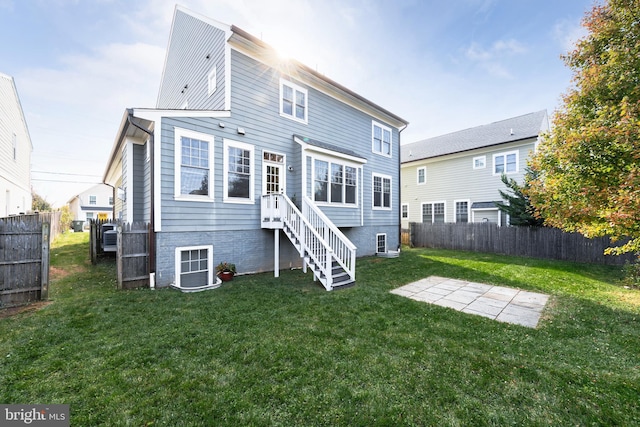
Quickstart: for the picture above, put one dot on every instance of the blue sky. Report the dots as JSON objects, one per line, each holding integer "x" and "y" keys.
{"x": 441, "y": 65}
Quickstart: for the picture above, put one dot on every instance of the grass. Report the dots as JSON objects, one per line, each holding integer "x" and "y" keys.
{"x": 263, "y": 351}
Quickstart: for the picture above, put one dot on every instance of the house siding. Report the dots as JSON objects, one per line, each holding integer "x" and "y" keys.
{"x": 187, "y": 64}
{"x": 15, "y": 173}
{"x": 138, "y": 185}
{"x": 452, "y": 178}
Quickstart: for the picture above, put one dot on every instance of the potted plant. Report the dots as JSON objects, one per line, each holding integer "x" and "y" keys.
{"x": 226, "y": 271}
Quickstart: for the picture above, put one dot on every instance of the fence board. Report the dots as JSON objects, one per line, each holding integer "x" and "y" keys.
{"x": 24, "y": 259}
{"x": 535, "y": 242}
{"x": 133, "y": 255}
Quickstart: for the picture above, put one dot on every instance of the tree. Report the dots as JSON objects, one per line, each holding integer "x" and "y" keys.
{"x": 39, "y": 203}
{"x": 517, "y": 203}
{"x": 589, "y": 164}
{"x": 66, "y": 217}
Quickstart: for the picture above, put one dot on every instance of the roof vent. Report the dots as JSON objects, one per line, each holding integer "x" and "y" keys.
{"x": 511, "y": 132}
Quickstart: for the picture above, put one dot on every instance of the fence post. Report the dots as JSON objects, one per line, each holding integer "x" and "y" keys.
{"x": 119, "y": 255}
{"x": 44, "y": 264}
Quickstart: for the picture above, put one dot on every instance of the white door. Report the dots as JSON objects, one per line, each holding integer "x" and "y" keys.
{"x": 273, "y": 178}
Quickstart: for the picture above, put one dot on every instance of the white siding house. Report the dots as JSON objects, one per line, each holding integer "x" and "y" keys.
{"x": 254, "y": 160}
{"x": 457, "y": 177}
{"x": 15, "y": 152}
{"x": 93, "y": 203}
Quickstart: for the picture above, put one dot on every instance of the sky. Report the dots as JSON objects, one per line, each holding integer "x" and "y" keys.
{"x": 441, "y": 65}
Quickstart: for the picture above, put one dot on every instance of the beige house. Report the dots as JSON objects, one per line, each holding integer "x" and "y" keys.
{"x": 457, "y": 177}
{"x": 15, "y": 152}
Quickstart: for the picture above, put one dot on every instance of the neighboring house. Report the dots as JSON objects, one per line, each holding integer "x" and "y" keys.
{"x": 94, "y": 203}
{"x": 238, "y": 138}
{"x": 15, "y": 152}
{"x": 457, "y": 177}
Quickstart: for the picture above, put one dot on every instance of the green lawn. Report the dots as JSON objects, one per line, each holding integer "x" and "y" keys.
{"x": 264, "y": 351}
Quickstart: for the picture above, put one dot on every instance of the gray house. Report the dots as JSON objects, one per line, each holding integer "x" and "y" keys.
{"x": 456, "y": 177}
{"x": 254, "y": 160}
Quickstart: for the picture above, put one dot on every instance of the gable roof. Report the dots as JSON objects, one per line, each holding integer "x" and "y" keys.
{"x": 7, "y": 86}
{"x": 509, "y": 130}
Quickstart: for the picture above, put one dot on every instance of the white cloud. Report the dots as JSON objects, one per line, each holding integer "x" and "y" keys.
{"x": 493, "y": 59}
{"x": 567, "y": 33}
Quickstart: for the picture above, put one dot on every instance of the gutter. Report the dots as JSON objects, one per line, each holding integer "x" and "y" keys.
{"x": 152, "y": 234}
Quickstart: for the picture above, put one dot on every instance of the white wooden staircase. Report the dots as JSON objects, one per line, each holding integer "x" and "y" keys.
{"x": 323, "y": 247}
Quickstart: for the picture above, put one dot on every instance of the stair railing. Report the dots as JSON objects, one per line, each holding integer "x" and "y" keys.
{"x": 344, "y": 250}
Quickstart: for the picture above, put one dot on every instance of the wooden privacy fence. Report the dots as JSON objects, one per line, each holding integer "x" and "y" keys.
{"x": 131, "y": 254}
{"x": 535, "y": 242}
{"x": 24, "y": 260}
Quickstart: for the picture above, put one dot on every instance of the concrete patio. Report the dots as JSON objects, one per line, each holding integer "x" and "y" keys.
{"x": 495, "y": 302}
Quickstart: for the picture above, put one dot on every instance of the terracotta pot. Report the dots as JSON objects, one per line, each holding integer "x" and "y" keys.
{"x": 225, "y": 276}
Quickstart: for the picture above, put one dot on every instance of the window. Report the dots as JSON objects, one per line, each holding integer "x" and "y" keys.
{"x": 381, "y": 243}
{"x": 422, "y": 175}
{"x": 433, "y": 212}
{"x": 194, "y": 266}
{"x": 293, "y": 101}
{"x": 334, "y": 182}
{"x": 111, "y": 200}
{"x": 238, "y": 171}
{"x": 381, "y": 139}
{"x": 381, "y": 192}
{"x": 505, "y": 163}
{"x": 462, "y": 211}
{"x": 89, "y": 216}
{"x": 212, "y": 83}
{"x": 405, "y": 211}
{"x": 480, "y": 162}
{"x": 92, "y": 200}
{"x": 193, "y": 162}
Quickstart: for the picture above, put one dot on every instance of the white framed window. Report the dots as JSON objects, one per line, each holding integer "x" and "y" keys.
{"x": 335, "y": 182}
{"x": 239, "y": 172}
{"x": 405, "y": 211}
{"x": 92, "y": 200}
{"x": 89, "y": 216}
{"x": 462, "y": 210}
{"x": 381, "y": 139}
{"x": 505, "y": 163}
{"x": 194, "y": 266}
{"x": 381, "y": 243}
{"x": 293, "y": 101}
{"x": 110, "y": 200}
{"x": 433, "y": 212}
{"x": 421, "y": 176}
{"x": 212, "y": 83}
{"x": 480, "y": 162}
{"x": 381, "y": 191}
{"x": 193, "y": 165}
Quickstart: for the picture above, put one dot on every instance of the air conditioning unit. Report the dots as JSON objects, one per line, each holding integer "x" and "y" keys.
{"x": 109, "y": 237}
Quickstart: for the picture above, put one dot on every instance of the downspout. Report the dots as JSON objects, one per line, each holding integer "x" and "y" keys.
{"x": 400, "y": 186}
{"x": 152, "y": 234}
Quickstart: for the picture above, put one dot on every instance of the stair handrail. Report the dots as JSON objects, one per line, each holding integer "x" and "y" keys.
{"x": 344, "y": 250}
{"x": 310, "y": 240}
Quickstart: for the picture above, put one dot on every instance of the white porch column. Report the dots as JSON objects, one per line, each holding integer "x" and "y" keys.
{"x": 276, "y": 253}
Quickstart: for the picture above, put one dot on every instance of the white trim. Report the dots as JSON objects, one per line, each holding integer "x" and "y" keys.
{"x": 295, "y": 88}
{"x": 385, "y": 243}
{"x": 483, "y": 159}
{"x": 339, "y": 161}
{"x": 381, "y": 208}
{"x": 383, "y": 128}
{"x": 178, "y": 134}
{"x": 129, "y": 186}
{"x": 423, "y": 168}
{"x": 178, "y": 260}
{"x": 455, "y": 209}
{"x": 505, "y": 154}
{"x": 212, "y": 83}
{"x": 155, "y": 114}
{"x": 232, "y": 143}
{"x": 283, "y": 171}
{"x": 433, "y": 211}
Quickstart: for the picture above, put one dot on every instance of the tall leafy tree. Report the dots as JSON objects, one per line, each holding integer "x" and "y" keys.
{"x": 589, "y": 166}
{"x": 39, "y": 203}
{"x": 517, "y": 203}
